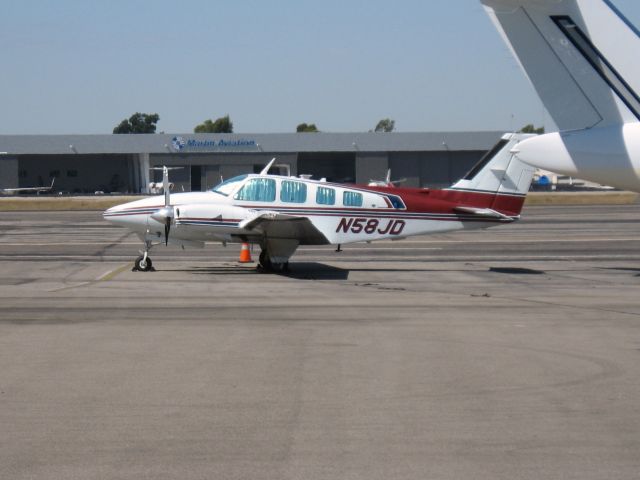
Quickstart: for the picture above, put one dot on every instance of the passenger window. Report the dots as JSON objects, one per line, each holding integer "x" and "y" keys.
{"x": 352, "y": 199}
{"x": 293, "y": 192}
{"x": 396, "y": 202}
{"x": 325, "y": 196}
{"x": 258, "y": 190}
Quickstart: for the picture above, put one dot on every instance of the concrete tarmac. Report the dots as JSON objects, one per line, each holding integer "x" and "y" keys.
{"x": 509, "y": 353}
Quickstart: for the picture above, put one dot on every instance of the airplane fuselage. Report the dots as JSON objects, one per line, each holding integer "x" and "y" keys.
{"x": 609, "y": 155}
{"x": 385, "y": 213}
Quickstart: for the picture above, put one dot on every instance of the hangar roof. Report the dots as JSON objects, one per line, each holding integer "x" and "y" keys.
{"x": 246, "y": 143}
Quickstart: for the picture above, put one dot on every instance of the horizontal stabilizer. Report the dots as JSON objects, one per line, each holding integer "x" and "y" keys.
{"x": 482, "y": 212}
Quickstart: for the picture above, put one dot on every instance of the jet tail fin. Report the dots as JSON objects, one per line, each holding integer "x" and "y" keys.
{"x": 580, "y": 56}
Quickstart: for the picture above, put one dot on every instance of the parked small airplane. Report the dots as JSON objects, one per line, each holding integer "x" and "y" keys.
{"x": 387, "y": 182}
{"x": 280, "y": 213}
{"x": 581, "y": 57}
{"x": 13, "y": 191}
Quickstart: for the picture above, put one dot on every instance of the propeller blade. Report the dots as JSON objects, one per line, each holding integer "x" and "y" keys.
{"x": 167, "y": 228}
{"x": 165, "y": 215}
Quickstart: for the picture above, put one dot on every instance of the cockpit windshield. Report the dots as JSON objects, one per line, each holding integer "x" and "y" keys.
{"x": 228, "y": 186}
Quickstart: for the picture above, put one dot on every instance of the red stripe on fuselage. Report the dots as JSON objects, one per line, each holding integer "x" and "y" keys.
{"x": 444, "y": 201}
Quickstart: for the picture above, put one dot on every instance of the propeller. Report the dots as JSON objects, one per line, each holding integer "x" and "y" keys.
{"x": 167, "y": 229}
{"x": 166, "y": 214}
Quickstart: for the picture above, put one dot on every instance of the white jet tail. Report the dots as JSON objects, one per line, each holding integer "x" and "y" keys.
{"x": 580, "y": 55}
{"x": 499, "y": 172}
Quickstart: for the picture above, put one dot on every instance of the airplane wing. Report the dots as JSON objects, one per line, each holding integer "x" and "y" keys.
{"x": 283, "y": 226}
{"x": 483, "y": 212}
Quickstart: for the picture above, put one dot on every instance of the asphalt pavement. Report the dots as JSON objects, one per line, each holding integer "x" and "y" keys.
{"x": 508, "y": 353}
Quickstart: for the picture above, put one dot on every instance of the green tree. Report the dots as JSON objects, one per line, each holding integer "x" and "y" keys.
{"x": 138, "y": 123}
{"x": 307, "y": 127}
{"x": 221, "y": 125}
{"x": 385, "y": 125}
{"x": 529, "y": 128}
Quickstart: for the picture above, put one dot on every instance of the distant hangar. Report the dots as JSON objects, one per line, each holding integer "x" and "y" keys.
{"x": 121, "y": 163}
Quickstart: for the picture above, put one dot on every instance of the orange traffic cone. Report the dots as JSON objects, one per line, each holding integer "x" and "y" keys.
{"x": 245, "y": 254}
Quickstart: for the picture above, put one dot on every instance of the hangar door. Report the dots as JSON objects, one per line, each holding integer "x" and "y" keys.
{"x": 431, "y": 169}
{"x": 79, "y": 173}
{"x": 335, "y": 167}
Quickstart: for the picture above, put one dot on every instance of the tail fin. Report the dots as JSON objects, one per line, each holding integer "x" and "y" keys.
{"x": 580, "y": 55}
{"x": 499, "y": 171}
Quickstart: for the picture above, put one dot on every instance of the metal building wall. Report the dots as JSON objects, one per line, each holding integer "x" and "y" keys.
{"x": 214, "y": 166}
{"x": 8, "y": 172}
{"x": 431, "y": 169}
{"x": 78, "y": 173}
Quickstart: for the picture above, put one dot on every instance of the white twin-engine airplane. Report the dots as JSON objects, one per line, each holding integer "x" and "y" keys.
{"x": 582, "y": 58}
{"x": 280, "y": 213}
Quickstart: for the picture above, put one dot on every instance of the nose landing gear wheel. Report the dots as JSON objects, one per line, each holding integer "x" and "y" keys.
{"x": 143, "y": 264}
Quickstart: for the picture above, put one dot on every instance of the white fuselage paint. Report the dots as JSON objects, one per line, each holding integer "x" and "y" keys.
{"x": 610, "y": 156}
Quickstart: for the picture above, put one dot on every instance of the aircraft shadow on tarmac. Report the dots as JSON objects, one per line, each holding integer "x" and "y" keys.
{"x": 516, "y": 271}
{"x": 297, "y": 270}
{"x": 321, "y": 271}
{"x": 624, "y": 269}
{"x": 315, "y": 271}
{"x": 300, "y": 271}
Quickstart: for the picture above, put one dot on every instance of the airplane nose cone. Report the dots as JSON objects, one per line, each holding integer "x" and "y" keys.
{"x": 112, "y": 214}
{"x": 133, "y": 215}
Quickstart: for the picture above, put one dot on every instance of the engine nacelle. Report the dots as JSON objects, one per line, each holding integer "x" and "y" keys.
{"x": 164, "y": 214}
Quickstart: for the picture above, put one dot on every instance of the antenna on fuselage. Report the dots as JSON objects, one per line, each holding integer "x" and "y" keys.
{"x": 265, "y": 170}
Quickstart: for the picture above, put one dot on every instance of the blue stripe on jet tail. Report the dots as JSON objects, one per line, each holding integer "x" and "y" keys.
{"x": 598, "y": 62}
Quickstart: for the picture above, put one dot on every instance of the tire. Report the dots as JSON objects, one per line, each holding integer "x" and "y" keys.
{"x": 268, "y": 266}
{"x": 265, "y": 261}
{"x": 278, "y": 267}
{"x": 141, "y": 265}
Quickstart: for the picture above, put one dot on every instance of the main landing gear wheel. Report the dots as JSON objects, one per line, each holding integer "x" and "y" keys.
{"x": 266, "y": 265}
{"x": 143, "y": 264}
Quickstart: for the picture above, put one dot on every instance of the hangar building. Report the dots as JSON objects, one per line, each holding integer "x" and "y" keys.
{"x": 121, "y": 163}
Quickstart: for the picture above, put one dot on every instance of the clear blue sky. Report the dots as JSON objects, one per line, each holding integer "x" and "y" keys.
{"x": 78, "y": 66}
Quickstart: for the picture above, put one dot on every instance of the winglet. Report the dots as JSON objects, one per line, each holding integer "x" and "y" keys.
{"x": 265, "y": 170}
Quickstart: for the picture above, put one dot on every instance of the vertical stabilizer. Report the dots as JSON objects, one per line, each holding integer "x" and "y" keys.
{"x": 498, "y": 171}
{"x": 580, "y": 55}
